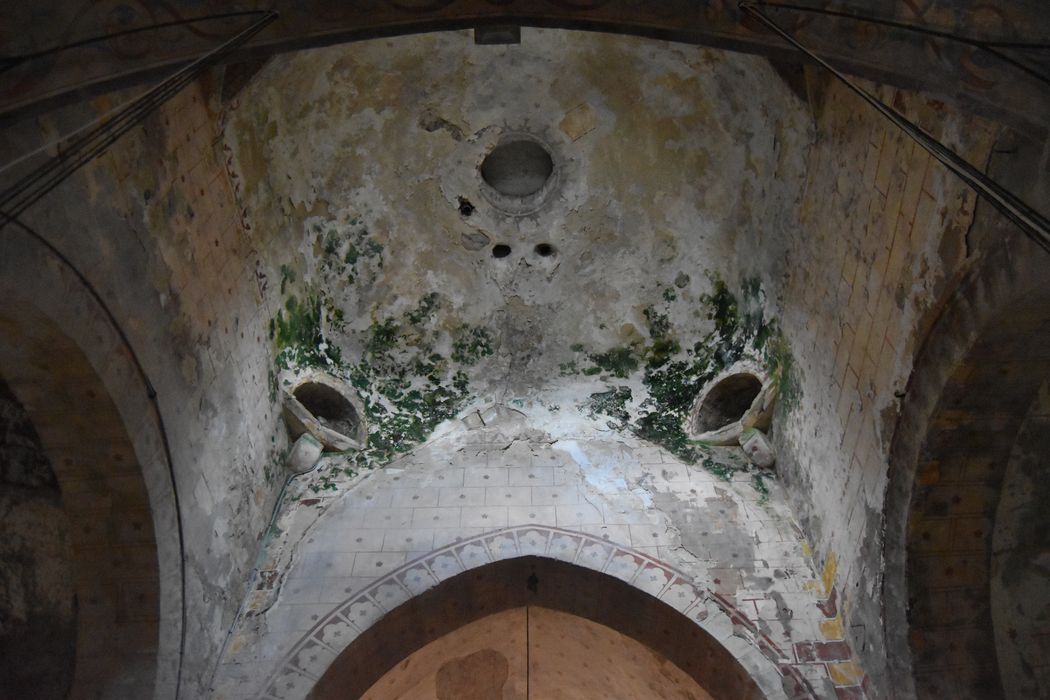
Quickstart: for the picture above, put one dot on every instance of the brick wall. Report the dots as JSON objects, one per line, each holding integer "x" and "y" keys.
{"x": 958, "y": 480}
{"x": 153, "y": 226}
{"x": 883, "y": 229}
{"x": 1019, "y": 595}
{"x": 113, "y": 563}
{"x": 37, "y": 617}
{"x": 212, "y": 357}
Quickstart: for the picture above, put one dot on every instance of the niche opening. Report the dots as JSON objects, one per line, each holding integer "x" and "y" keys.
{"x": 727, "y": 401}
{"x": 329, "y": 407}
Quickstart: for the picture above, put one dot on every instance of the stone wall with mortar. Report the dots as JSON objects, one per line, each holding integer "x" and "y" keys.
{"x": 1018, "y": 571}
{"x": 884, "y": 231}
{"x": 153, "y": 226}
{"x": 121, "y": 578}
{"x": 37, "y": 614}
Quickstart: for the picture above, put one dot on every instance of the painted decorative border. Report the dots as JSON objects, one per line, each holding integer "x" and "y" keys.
{"x": 772, "y": 669}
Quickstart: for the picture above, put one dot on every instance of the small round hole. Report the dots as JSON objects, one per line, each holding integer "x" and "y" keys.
{"x": 465, "y": 207}
{"x": 544, "y": 250}
{"x": 500, "y": 250}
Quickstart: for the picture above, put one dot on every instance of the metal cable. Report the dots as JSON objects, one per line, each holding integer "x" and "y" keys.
{"x": 78, "y": 152}
{"x": 1031, "y": 222}
{"x": 990, "y": 46}
{"x": 9, "y": 62}
{"x": 88, "y": 142}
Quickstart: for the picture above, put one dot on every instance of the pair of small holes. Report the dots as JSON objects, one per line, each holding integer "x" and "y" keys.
{"x": 502, "y": 250}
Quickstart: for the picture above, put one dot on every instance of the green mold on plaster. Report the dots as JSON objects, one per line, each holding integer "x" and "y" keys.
{"x": 331, "y": 242}
{"x": 326, "y": 481}
{"x": 383, "y": 338}
{"x": 271, "y": 383}
{"x": 720, "y": 469}
{"x": 346, "y": 250}
{"x": 425, "y": 309}
{"x": 296, "y": 331}
{"x": 471, "y": 344}
{"x": 287, "y": 276}
{"x": 333, "y": 314}
{"x": 758, "y": 482}
{"x": 659, "y": 325}
{"x": 674, "y": 378}
{"x": 664, "y": 344}
{"x": 407, "y": 388}
{"x": 612, "y": 403}
{"x": 569, "y": 368}
{"x": 620, "y": 362}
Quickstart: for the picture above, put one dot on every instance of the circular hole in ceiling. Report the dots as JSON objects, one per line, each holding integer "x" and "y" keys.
{"x": 727, "y": 401}
{"x": 328, "y": 406}
{"x": 517, "y": 168}
{"x": 544, "y": 250}
{"x": 500, "y": 250}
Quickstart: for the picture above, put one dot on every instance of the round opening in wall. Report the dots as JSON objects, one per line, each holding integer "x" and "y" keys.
{"x": 544, "y": 250}
{"x": 727, "y": 401}
{"x": 331, "y": 409}
{"x": 500, "y": 250}
{"x": 517, "y": 168}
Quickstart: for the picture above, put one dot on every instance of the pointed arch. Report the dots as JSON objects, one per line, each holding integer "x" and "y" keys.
{"x": 584, "y": 575}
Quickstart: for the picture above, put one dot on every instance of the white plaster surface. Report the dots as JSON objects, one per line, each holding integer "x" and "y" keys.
{"x": 505, "y": 490}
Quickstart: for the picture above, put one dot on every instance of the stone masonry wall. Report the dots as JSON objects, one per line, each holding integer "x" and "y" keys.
{"x": 219, "y": 410}
{"x": 37, "y": 617}
{"x": 884, "y": 228}
{"x": 1020, "y": 597}
{"x": 152, "y": 225}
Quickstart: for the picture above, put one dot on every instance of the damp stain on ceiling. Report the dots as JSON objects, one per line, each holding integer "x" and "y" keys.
{"x": 543, "y": 221}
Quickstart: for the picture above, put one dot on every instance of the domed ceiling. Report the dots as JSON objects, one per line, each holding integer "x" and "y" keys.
{"x": 633, "y": 252}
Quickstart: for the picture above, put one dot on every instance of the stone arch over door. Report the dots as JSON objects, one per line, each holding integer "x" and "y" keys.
{"x": 973, "y": 384}
{"x": 360, "y": 639}
{"x": 62, "y": 359}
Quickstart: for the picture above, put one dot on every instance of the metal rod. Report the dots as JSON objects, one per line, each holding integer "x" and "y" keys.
{"x": 85, "y": 144}
{"x": 991, "y": 46}
{"x": 8, "y": 62}
{"x": 1031, "y": 222}
{"x": 78, "y": 152}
